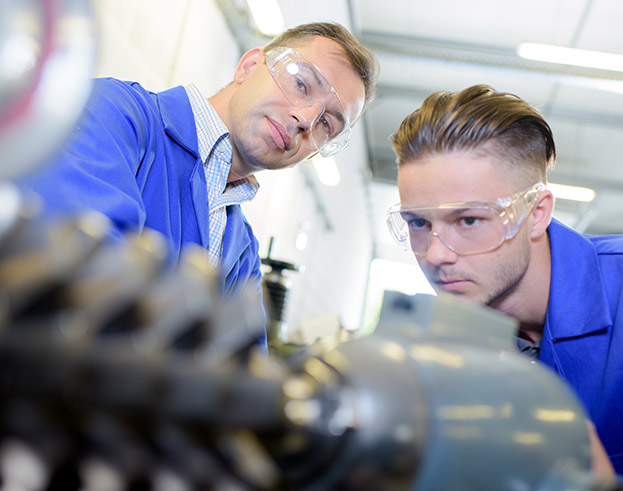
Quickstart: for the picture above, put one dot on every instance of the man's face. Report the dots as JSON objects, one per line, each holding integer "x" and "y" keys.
{"x": 267, "y": 130}
{"x": 486, "y": 278}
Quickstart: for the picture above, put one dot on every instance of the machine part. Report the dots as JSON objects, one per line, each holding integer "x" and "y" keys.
{"x": 47, "y": 54}
{"x": 438, "y": 415}
{"x": 38, "y": 257}
{"x": 445, "y": 317}
{"x": 275, "y": 285}
{"x": 104, "y": 357}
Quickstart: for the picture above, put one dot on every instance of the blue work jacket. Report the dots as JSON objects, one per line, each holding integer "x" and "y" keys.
{"x": 134, "y": 157}
{"x": 583, "y": 334}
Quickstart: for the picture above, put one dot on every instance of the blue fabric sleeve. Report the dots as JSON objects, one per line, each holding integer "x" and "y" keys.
{"x": 96, "y": 167}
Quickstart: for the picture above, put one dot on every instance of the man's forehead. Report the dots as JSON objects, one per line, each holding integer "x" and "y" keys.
{"x": 317, "y": 48}
{"x": 454, "y": 199}
{"x": 329, "y": 57}
{"x": 454, "y": 177}
{"x": 437, "y": 182}
{"x": 451, "y": 206}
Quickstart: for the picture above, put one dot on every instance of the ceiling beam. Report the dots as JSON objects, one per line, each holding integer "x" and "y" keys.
{"x": 481, "y": 55}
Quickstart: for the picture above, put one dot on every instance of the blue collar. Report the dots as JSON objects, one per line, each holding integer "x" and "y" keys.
{"x": 178, "y": 119}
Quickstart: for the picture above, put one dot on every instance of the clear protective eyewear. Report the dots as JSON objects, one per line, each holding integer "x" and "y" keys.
{"x": 466, "y": 228}
{"x": 304, "y": 85}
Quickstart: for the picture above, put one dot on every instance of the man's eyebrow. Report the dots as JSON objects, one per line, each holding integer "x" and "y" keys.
{"x": 409, "y": 214}
{"x": 341, "y": 117}
{"x": 435, "y": 211}
{"x": 317, "y": 76}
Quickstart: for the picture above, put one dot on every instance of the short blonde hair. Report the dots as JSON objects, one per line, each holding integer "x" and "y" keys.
{"x": 478, "y": 118}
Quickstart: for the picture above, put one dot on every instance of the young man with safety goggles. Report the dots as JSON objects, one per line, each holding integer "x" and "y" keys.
{"x": 475, "y": 210}
{"x": 181, "y": 164}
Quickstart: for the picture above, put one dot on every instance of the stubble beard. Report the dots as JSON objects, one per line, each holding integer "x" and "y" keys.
{"x": 508, "y": 278}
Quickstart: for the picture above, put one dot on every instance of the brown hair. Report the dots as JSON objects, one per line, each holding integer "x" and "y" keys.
{"x": 363, "y": 61}
{"x": 478, "y": 116}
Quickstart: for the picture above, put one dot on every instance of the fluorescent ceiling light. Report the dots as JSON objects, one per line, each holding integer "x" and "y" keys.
{"x": 267, "y": 16}
{"x": 571, "y": 56}
{"x": 574, "y": 193}
{"x": 327, "y": 170}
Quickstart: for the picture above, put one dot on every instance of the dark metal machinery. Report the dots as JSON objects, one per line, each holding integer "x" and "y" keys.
{"x": 275, "y": 286}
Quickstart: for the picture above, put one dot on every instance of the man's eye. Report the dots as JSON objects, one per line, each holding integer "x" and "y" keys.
{"x": 418, "y": 223}
{"x": 326, "y": 125}
{"x": 469, "y": 221}
{"x": 300, "y": 85}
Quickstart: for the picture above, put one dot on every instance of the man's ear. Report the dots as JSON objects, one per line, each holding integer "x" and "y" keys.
{"x": 542, "y": 213}
{"x": 249, "y": 62}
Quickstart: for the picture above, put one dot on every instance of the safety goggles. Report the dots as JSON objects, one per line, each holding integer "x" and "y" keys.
{"x": 304, "y": 85}
{"x": 466, "y": 228}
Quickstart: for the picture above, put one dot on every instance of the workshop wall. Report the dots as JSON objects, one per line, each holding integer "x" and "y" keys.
{"x": 161, "y": 44}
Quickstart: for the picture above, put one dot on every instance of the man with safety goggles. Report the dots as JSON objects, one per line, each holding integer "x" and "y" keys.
{"x": 182, "y": 163}
{"x": 476, "y": 213}
{"x": 292, "y": 99}
{"x": 467, "y": 228}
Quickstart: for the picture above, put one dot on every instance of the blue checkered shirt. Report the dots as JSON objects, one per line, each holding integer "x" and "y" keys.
{"x": 215, "y": 151}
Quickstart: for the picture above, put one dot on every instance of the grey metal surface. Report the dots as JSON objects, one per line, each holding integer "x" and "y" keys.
{"x": 471, "y": 414}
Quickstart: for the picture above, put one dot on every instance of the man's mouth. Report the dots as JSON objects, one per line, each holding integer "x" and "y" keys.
{"x": 452, "y": 285}
{"x": 279, "y": 134}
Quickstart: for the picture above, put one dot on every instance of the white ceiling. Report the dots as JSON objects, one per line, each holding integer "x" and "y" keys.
{"x": 451, "y": 44}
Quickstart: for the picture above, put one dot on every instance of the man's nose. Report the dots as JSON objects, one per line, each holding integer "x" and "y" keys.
{"x": 438, "y": 252}
{"x": 306, "y": 115}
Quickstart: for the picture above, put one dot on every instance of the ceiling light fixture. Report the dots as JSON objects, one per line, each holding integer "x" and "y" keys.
{"x": 571, "y": 56}
{"x": 267, "y": 16}
{"x": 574, "y": 193}
{"x": 327, "y": 170}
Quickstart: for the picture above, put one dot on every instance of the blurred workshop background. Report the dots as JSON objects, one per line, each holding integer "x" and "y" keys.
{"x": 325, "y": 219}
